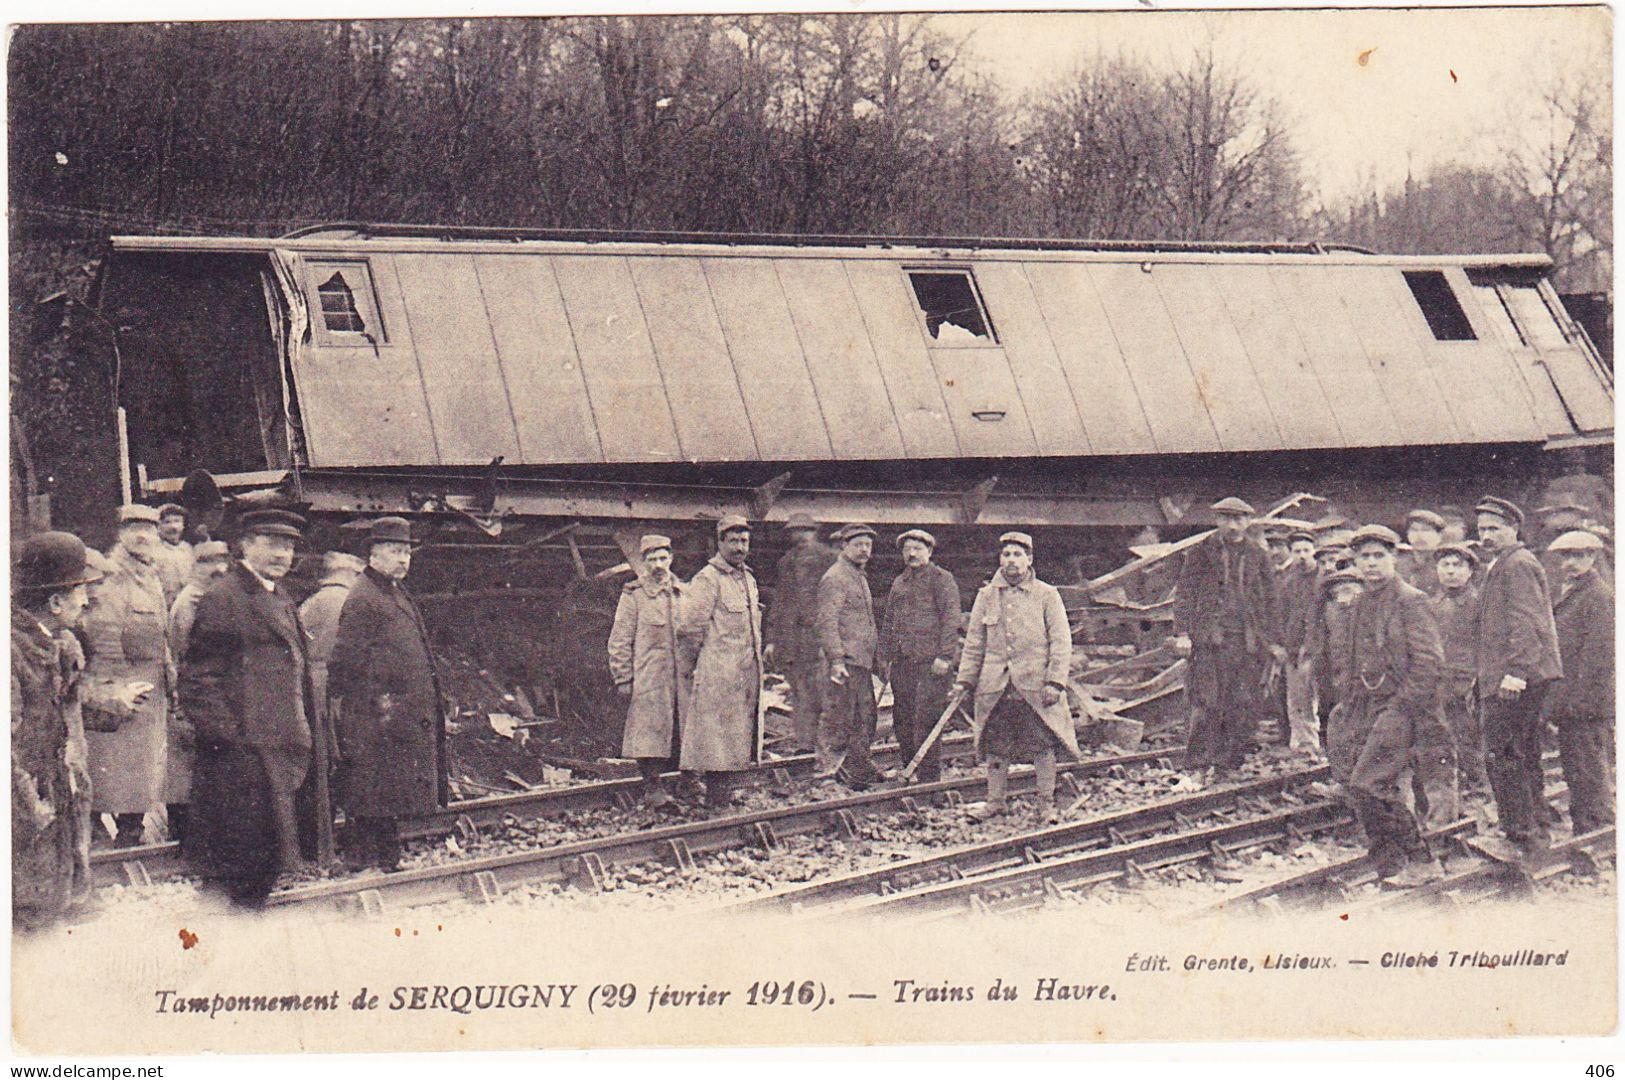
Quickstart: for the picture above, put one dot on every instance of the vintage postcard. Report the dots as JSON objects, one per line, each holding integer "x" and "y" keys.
{"x": 752, "y": 528}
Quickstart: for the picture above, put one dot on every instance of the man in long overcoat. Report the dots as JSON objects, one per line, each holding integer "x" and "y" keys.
{"x": 1228, "y": 623}
{"x": 719, "y": 638}
{"x": 127, "y": 638}
{"x": 212, "y": 559}
{"x": 643, "y": 666}
{"x": 1017, "y": 660}
{"x": 1582, "y": 704}
{"x": 848, "y": 639}
{"x": 245, "y": 688}
{"x": 1517, "y": 663}
{"x": 792, "y": 624}
{"x": 384, "y": 697}
{"x": 1392, "y": 693}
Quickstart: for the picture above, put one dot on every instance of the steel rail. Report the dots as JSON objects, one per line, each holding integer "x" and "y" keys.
{"x": 966, "y": 866}
{"x": 586, "y": 861}
{"x": 1491, "y": 879}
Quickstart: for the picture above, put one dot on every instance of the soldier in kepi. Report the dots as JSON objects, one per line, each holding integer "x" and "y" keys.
{"x": 719, "y": 641}
{"x": 792, "y": 625}
{"x": 1582, "y": 704}
{"x": 643, "y": 666}
{"x": 1393, "y": 688}
{"x": 1017, "y": 660}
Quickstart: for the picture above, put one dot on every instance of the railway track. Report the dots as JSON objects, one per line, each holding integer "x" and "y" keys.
{"x": 1035, "y": 868}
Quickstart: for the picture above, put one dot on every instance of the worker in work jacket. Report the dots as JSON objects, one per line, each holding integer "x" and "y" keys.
{"x": 719, "y": 639}
{"x": 1455, "y": 609}
{"x": 1582, "y": 704}
{"x": 792, "y": 624}
{"x": 849, "y": 640}
{"x": 643, "y": 666}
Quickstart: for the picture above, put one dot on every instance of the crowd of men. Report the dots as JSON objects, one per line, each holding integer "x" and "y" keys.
{"x": 180, "y": 679}
{"x": 177, "y": 681}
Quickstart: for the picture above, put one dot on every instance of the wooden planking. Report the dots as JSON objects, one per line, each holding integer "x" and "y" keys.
{"x": 1419, "y": 404}
{"x": 1049, "y": 398}
{"x": 364, "y": 408}
{"x": 887, "y": 304}
{"x": 617, "y": 359}
{"x": 1107, "y": 396}
{"x": 552, "y": 412}
{"x": 982, "y": 401}
{"x": 468, "y": 398}
{"x": 1173, "y": 401}
{"x": 772, "y": 372}
{"x": 857, "y": 409}
{"x": 1488, "y": 396}
{"x": 1224, "y": 370}
{"x": 1588, "y": 400}
{"x": 712, "y": 424}
{"x": 1285, "y": 372}
{"x": 1340, "y": 361}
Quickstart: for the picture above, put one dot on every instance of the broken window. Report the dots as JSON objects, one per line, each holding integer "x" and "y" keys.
{"x": 952, "y": 306}
{"x": 1518, "y": 295}
{"x": 1439, "y": 305}
{"x": 349, "y": 308}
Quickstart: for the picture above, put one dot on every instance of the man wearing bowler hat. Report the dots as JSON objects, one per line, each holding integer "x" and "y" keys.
{"x": 849, "y": 640}
{"x": 643, "y": 665}
{"x": 245, "y": 689}
{"x": 1227, "y": 622}
{"x": 384, "y": 697}
{"x": 792, "y": 623}
{"x": 1517, "y": 661}
{"x": 719, "y": 641}
{"x": 127, "y": 640}
{"x": 918, "y": 639}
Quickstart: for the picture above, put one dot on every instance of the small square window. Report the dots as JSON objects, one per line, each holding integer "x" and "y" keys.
{"x": 346, "y": 305}
{"x": 952, "y": 306}
{"x": 1439, "y": 305}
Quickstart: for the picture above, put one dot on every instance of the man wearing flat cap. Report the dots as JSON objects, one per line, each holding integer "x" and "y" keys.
{"x": 1298, "y": 589}
{"x": 1016, "y": 662}
{"x": 173, "y": 556}
{"x": 792, "y": 624}
{"x": 1517, "y": 661}
{"x": 211, "y": 559}
{"x": 384, "y": 698}
{"x": 643, "y": 666}
{"x": 1392, "y": 693}
{"x": 719, "y": 642}
{"x": 1582, "y": 703}
{"x": 918, "y": 639}
{"x": 127, "y": 640}
{"x": 245, "y": 689}
{"x": 51, "y": 703}
{"x": 1227, "y": 622}
{"x": 1455, "y": 609}
{"x": 1423, "y": 532}
{"x": 849, "y": 641}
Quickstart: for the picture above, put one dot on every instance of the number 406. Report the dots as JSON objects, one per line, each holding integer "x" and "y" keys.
{"x": 1601, "y": 1071}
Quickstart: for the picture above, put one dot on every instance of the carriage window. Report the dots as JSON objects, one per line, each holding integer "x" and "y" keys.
{"x": 952, "y": 306}
{"x": 1439, "y": 305}
{"x": 348, "y": 305}
{"x": 1519, "y": 295}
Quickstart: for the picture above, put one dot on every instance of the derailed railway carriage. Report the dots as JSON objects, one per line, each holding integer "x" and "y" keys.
{"x": 545, "y": 396}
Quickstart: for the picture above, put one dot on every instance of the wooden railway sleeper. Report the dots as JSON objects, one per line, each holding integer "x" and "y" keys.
{"x": 779, "y": 779}
{"x": 1053, "y": 893}
{"x": 624, "y": 801}
{"x": 845, "y": 823}
{"x": 371, "y": 903}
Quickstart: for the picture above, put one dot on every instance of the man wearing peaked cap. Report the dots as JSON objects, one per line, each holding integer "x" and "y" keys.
{"x": 719, "y": 642}
{"x": 792, "y": 625}
{"x": 173, "y": 557}
{"x": 1455, "y": 609}
{"x": 1298, "y": 589}
{"x": 850, "y": 642}
{"x": 1423, "y": 532}
{"x": 643, "y": 666}
{"x": 1581, "y": 704}
{"x": 1024, "y": 539}
{"x": 918, "y": 640}
{"x": 383, "y": 693}
{"x": 1517, "y": 662}
{"x": 1228, "y": 623}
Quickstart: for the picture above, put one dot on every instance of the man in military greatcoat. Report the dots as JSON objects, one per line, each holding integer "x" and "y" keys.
{"x": 245, "y": 689}
{"x": 384, "y": 698}
{"x": 1227, "y": 622}
{"x": 212, "y": 559}
{"x": 1582, "y": 703}
{"x": 719, "y": 641}
{"x": 1392, "y": 690}
{"x": 127, "y": 638}
{"x": 918, "y": 639}
{"x": 643, "y": 666}
{"x": 792, "y": 624}
{"x": 1518, "y": 661}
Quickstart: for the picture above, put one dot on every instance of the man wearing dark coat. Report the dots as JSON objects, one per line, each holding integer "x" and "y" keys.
{"x": 384, "y": 697}
{"x": 918, "y": 639}
{"x": 1228, "y": 624}
{"x": 849, "y": 639}
{"x": 792, "y": 624}
{"x": 1517, "y": 663}
{"x": 1582, "y": 704}
{"x": 245, "y": 688}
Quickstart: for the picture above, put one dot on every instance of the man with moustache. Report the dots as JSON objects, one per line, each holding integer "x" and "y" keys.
{"x": 643, "y": 666}
{"x": 245, "y": 689}
{"x": 917, "y": 644}
{"x": 1582, "y": 704}
{"x": 850, "y": 643}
